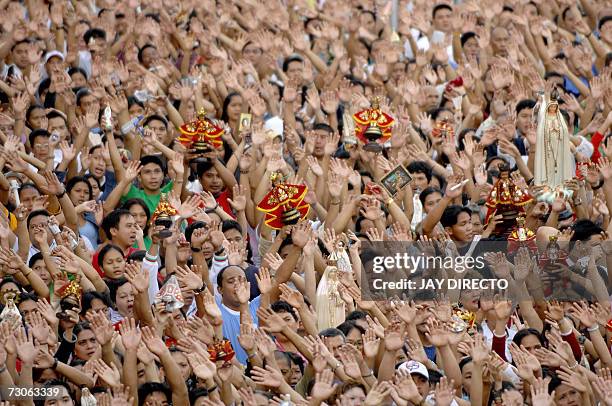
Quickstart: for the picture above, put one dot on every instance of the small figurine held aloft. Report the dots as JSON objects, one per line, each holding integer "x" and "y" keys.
{"x": 163, "y": 216}
{"x": 521, "y": 236}
{"x": 508, "y": 199}
{"x": 373, "y": 127}
{"x": 284, "y": 204}
{"x": 201, "y": 136}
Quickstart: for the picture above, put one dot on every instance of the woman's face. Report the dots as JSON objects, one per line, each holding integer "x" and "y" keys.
{"x": 125, "y": 300}
{"x": 95, "y": 189}
{"x": 471, "y": 48}
{"x": 79, "y": 193}
{"x": 136, "y": 110}
{"x": 251, "y": 52}
{"x": 37, "y": 118}
{"x": 78, "y": 80}
{"x": 354, "y": 397}
{"x": 139, "y": 215}
{"x": 41, "y": 270}
{"x": 113, "y": 264}
{"x": 234, "y": 108}
{"x": 86, "y": 345}
{"x": 354, "y": 338}
{"x": 97, "y": 305}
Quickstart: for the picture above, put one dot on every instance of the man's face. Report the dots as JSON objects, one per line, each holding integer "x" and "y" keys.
{"x": 295, "y": 70}
{"x": 159, "y": 128}
{"x": 58, "y": 125}
{"x": 149, "y": 57}
{"x": 462, "y": 231}
{"x": 38, "y": 119}
{"x": 40, "y": 148}
{"x": 333, "y": 344}
{"x": 523, "y": 120}
{"x": 54, "y": 65}
{"x": 231, "y": 277}
{"x": 20, "y": 55}
{"x": 211, "y": 181}
{"x": 422, "y": 384}
{"x": 63, "y": 399}
{"x": 125, "y": 233}
{"x": 419, "y": 181}
{"x": 156, "y": 399}
{"x": 26, "y": 308}
{"x": 233, "y": 235}
{"x": 430, "y": 99}
{"x": 606, "y": 31}
{"x": 87, "y": 102}
{"x": 27, "y": 196}
{"x": 442, "y": 20}
{"x": 431, "y": 201}
{"x": 39, "y": 223}
{"x": 499, "y": 41}
{"x": 96, "y": 45}
{"x": 151, "y": 177}
{"x": 321, "y": 137}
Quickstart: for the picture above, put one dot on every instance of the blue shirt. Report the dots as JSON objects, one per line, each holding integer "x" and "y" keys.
{"x": 571, "y": 88}
{"x": 231, "y": 325}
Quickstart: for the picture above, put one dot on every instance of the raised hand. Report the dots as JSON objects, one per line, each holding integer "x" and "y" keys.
{"x": 130, "y": 335}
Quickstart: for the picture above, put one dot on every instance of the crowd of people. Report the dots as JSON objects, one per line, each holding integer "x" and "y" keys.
{"x": 189, "y": 207}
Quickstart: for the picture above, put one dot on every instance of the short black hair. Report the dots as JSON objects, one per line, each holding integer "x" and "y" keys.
{"x": 34, "y": 259}
{"x": 141, "y": 50}
{"x": 349, "y": 325}
{"x": 280, "y": 306}
{"x": 356, "y": 315}
{"x": 51, "y": 384}
{"x": 113, "y": 287}
{"x": 292, "y": 58}
{"x": 112, "y": 220}
{"x": 440, "y": 7}
{"x": 323, "y": 126}
{"x": 420, "y": 167}
{"x": 518, "y": 337}
{"x": 552, "y": 74}
{"x": 564, "y": 12}
{"x": 465, "y": 37}
{"x": 82, "y": 92}
{"x": 95, "y": 33}
{"x": 451, "y": 215}
{"x": 152, "y": 159}
{"x": 602, "y": 21}
{"x": 76, "y": 69}
{"x": 427, "y": 191}
{"x": 332, "y": 332}
{"x": 89, "y": 297}
{"x": 231, "y": 225}
{"x": 585, "y": 229}
{"x": 148, "y": 388}
{"x": 55, "y": 114}
{"x": 222, "y": 271}
{"x": 39, "y": 132}
{"x": 157, "y": 117}
{"x": 191, "y": 228}
{"x": 36, "y": 213}
{"x": 525, "y": 104}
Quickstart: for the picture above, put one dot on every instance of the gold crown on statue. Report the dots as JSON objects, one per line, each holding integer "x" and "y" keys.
{"x": 72, "y": 289}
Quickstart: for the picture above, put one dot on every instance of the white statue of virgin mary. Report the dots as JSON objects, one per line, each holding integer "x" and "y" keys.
{"x": 554, "y": 162}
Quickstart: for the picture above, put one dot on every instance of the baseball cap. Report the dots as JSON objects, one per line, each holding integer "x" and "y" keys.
{"x": 414, "y": 367}
{"x": 53, "y": 53}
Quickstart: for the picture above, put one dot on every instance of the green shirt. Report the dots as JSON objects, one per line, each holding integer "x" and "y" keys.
{"x": 150, "y": 200}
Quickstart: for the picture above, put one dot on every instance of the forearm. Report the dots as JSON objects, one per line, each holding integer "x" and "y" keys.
{"x": 434, "y": 216}
{"x": 114, "y": 197}
{"x": 35, "y": 282}
{"x": 175, "y": 380}
{"x": 76, "y": 376}
{"x": 130, "y": 373}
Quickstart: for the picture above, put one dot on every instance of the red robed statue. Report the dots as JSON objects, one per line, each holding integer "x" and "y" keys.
{"x": 373, "y": 127}
{"x": 506, "y": 199}
{"x": 201, "y": 135}
{"x": 284, "y": 204}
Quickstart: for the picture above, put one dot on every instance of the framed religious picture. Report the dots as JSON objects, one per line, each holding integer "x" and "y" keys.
{"x": 395, "y": 180}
